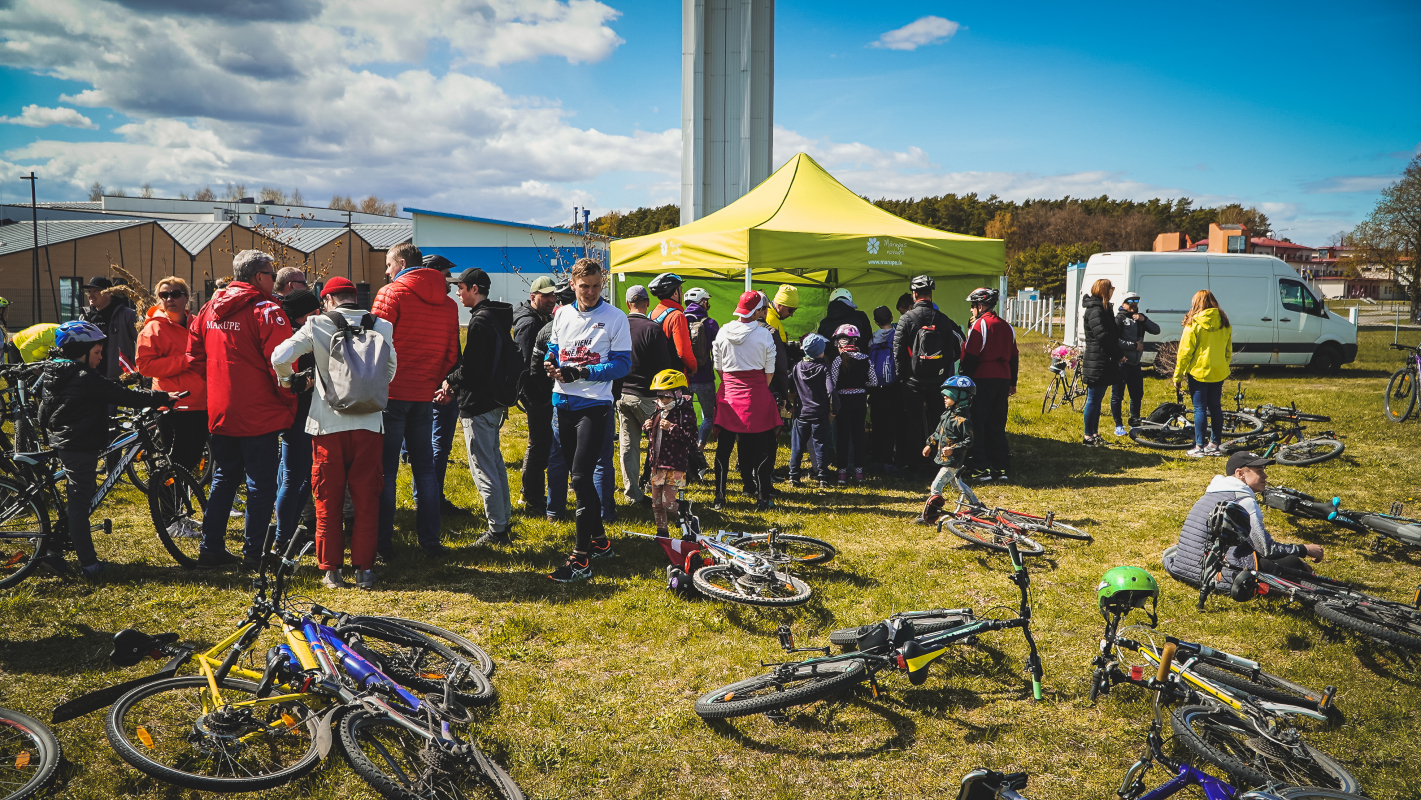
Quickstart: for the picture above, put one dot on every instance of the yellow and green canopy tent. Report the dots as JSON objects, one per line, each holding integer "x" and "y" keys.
{"x": 802, "y": 227}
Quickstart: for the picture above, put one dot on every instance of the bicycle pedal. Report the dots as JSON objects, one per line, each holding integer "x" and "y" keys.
{"x": 778, "y": 717}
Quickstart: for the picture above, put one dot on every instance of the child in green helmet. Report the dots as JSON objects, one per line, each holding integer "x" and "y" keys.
{"x": 953, "y": 440}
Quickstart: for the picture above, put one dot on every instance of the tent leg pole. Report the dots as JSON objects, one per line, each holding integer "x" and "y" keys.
{"x": 747, "y": 279}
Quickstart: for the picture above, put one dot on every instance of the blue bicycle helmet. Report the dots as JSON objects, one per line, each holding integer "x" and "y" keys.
{"x": 960, "y": 388}
{"x": 76, "y": 332}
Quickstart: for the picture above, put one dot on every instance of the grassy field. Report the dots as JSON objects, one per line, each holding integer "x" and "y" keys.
{"x": 597, "y": 679}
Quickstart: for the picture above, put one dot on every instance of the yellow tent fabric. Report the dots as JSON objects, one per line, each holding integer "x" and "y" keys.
{"x": 802, "y": 226}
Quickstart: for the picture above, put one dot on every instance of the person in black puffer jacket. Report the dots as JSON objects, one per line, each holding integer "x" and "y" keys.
{"x": 75, "y": 415}
{"x": 922, "y": 379}
{"x": 1101, "y": 360}
{"x": 842, "y": 311}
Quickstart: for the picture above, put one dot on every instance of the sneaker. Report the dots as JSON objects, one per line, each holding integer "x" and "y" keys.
{"x": 980, "y": 475}
{"x": 216, "y": 558}
{"x": 500, "y": 538}
{"x": 602, "y": 548}
{"x": 843, "y": 477}
{"x": 436, "y": 551}
{"x": 764, "y": 505}
{"x": 446, "y": 506}
{"x": 823, "y": 484}
{"x": 236, "y": 513}
{"x": 1000, "y": 476}
{"x": 185, "y": 528}
{"x": 54, "y": 563}
{"x": 332, "y": 579}
{"x": 1195, "y": 452}
{"x": 795, "y": 482}
{"x": 365, "y": 579}
{"x": 718, "y": 504}
{"x": 574, "y": 569}
{"x": 1213, "y": 449}
{"x": 1121, "y": 431}
{"x": 858, "y": 474}
{"x": 251, "y": 563}
{"x": 94, "y": 573}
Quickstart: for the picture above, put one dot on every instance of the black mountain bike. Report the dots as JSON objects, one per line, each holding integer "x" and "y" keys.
{"x": 895, "y": 644}
{"x": 1171, "y": 426}
{"x": 1286, "y": 442}
{"x": 29, "y": 755}
{"x": 1401, "y": 390}
{"x": 1391, "y": 525}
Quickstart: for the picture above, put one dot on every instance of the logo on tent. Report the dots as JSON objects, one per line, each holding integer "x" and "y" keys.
{"x": 663, "y": 247}
{"x": 872, "y": 246}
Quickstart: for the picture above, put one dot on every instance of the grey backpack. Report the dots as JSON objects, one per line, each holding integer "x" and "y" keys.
{"x": 357, "y": 376}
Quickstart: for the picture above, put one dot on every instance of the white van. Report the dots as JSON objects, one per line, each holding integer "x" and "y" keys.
{"x": 1276, "y": 318}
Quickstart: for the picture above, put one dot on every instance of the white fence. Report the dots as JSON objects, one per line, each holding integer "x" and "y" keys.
{"x": 1031, "y": 315}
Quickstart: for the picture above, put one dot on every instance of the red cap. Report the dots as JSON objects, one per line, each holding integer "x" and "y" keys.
{"x": 749, "y": 303}
{"x": 337, "y": 286}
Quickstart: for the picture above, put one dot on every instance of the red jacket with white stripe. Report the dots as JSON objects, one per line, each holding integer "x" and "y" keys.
{"x": 426, "y": 323}
{"x": 990, "y": 351}
{"x": 231, "y": 340}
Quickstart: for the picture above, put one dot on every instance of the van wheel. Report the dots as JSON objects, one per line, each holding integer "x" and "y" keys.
{"x": 1326, "y": 360}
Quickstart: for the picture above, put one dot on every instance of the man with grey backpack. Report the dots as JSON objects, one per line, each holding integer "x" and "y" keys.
{"x": 355, "y": 362}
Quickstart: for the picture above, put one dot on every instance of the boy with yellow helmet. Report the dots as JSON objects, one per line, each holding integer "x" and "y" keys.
{"x": 671, "y": 436}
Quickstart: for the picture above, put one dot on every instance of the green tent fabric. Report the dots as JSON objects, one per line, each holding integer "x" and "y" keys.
{"x": 803, "y": 227}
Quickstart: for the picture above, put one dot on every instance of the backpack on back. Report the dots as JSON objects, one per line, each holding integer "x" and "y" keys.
{"x": 700, "y": 340}
{"x": 880, "y": 355}
{"x": 934, "y": 351}
{"x": 357, "y": 379}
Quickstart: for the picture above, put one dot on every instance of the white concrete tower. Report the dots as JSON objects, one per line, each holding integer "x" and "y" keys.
{"x": 727, "y": 101}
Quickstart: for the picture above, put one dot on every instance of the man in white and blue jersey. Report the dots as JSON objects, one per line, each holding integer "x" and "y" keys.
{"x": 590, "y": 347}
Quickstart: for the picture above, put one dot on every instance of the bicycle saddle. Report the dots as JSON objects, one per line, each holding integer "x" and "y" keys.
{"x": 34, "y": 459}
{"x": 982, "y": 784}
{"x": 132, "y": 646}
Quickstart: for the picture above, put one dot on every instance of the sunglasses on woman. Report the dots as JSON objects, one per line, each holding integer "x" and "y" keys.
{"x": 171, "y": 295}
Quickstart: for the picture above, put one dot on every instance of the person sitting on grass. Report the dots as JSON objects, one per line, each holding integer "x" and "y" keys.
{"x": 671, "y": 435}
{"x": 953, "y": 439}
{"x": 75, "y": 414}
{"x": 1247, "y": 476}
{"x": 816, "y": 406}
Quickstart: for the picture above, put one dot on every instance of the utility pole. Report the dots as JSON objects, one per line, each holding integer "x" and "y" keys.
{"x": 34, "y": 221}
{"x": 350, "y": 248}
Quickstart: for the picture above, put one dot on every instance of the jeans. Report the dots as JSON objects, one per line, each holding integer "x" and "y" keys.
{"x": 852, "y": 441}
{"x": 234, "y": 458}
{"x": 757, "y": 460}
{"x": 411, "y": 423}
{"x": 632, "y": 412}
{"x": 294, "y": 482}
{"x": 1207, "y": 397}
{"x": 535, "y": 459}
{"x": 705, "y": 397}
{"x": 582, "y": 433}
{"x": 486, "y": 465}
{"x": 81, "y": 467}
{"x": 1129, "y": 378}
{"x": 989, "y": 425}
{"x": 1094, "y": 396}
{"x": 817, "y": 435}
{"x": 446, "y": 422}
{"x": 347, "y": 460}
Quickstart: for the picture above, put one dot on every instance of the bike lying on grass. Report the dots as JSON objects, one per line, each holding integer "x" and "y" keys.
{"x": 895, "y": 644}
{"x": 749, "y": 568}
{"x": 993, "y": 528}
{"x": 29, "y": 755}
{"x": 1405, "y": 530}
{"x": 1171, "y": 426}
{"x": 1286, "y": 442}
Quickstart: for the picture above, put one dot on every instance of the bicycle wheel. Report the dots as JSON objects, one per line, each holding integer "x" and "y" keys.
{"x": 1315, "y": 793}
{"x": 932, "y": 623}
{"x": 29, "y": 755}
{"x": 1398, "y": 625}
{"x": 1228, "y": 742}
{"x": 788, "y": 549}
{"x": 1038, "y": 525}
{"x": 24, "y": 531}
{"x": 1264, "y": 686}
{"x": 992, "y": 537}
{"x": 1048, "y": 401}
{"x": 414, "y": 660}
{"x": 137, "y": 471}
{"x": 1238, "y": 424}
{"x": 463, "y": 647}
{"x": 1172, "y": 435}
{"x": 402, "y": 765}
{"x": 176, "y": 503}
{"x": 1400, "y": 398}
{"x": 724, "y": 582}
{"x": 1309, "y": 451}
{"x": 786, "y": 687}
{"x": 164, "y": 731}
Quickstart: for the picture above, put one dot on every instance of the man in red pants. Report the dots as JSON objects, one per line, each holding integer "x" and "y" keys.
{"x": 348, "y": 445}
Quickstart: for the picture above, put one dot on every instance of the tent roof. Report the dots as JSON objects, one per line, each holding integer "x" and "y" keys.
{"x": 802, "y": 226}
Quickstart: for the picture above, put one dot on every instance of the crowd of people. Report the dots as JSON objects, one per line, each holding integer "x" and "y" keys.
{"x": 308, "y": 403}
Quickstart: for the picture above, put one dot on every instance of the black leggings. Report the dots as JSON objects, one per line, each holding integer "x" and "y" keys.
{"x": 852, "y": 442}
{"x": 756, "y": 450}
{"x": 582, "y": 432}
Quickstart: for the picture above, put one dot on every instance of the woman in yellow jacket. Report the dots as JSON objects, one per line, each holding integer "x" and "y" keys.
{"x": 1205, "y": 350}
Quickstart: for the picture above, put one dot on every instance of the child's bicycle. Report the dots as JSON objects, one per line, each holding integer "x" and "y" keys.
{"x": 894, "y": 645}
{"x": 994, "y": 528}
{"x": 749, "y": 566}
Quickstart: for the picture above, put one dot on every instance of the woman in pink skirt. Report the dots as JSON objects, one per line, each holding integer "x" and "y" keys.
{"x": 744, "y": 357}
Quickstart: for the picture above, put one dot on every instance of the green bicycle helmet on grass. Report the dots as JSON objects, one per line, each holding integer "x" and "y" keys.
{"x": 1124, "y": 588}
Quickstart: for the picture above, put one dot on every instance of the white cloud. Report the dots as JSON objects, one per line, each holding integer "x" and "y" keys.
{"x": 35, "y": 116}
{"x": 919, "y": 32}
{"x": 1350, "y": 183}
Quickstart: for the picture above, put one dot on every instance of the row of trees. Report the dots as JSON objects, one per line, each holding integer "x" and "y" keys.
{"x": 1042, "y": 236}
{"x": 271, "y": 195}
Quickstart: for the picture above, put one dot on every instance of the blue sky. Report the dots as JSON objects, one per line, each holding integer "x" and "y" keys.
{"x": 535, "y": 106}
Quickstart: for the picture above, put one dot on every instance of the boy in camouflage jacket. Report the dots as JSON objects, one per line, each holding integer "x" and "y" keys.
{"x": 953, "y": 440}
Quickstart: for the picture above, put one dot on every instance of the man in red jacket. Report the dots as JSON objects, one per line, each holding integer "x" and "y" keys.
{"x": 417, "y": 304}
{"x": 671, "y": 316}
{"x": 231, "y": 341}
{"x": 989, "y": 358}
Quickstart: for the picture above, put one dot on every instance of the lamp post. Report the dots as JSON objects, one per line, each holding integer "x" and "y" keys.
{"x": 34, "y": 223}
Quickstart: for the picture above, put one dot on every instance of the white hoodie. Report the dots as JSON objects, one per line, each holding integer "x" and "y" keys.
{"x": 741, "y": 346}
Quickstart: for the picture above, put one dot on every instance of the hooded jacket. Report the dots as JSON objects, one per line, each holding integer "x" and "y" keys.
{"x": 1194, "y": 538}
{"x": 742, "y": 346}
{"x": 162, "y": 355}
{"x": 426, "y": 323}
{"x": 488, "y": 337}
{"x": 120, "y": 325}
{"x": 954, "y": 429}
{"x": 232, "y": 339}
{"x": 1131, "y": 332}
{"x": 1205, "y": 349}
{"x": 527, "y": 322}
{"x": 705, "y": 373}
{"x": 841, "y": 313}
{"x": 1101, "y": 360}
{"x": 75, "y": 409}
{"x": 811, "y": 381}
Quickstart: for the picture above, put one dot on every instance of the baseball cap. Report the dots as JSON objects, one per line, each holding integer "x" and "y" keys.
{"x": 882, "y": 315}
{"x": 337, "y": 286}
{"x": 473, "y": 276}
{"x": 1129, "y": 296}
{"x": 99, "y": 283}
{"x": 637, "y": 292}
{"x": 749, "y": 304}
{"x": 1245, "y": 459}
{"x": 439, "y": 262}
{"x": 542, "y": 285}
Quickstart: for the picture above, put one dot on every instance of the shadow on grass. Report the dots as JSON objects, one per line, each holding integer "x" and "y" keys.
{"x": 823, "y": 721}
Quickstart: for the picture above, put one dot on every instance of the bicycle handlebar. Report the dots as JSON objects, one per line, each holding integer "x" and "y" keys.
{"x": 1399, "y": 346}
{"x": 1165, "y": 658}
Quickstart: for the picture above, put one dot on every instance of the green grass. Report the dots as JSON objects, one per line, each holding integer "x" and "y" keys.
{"x": 596, "y": 680}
